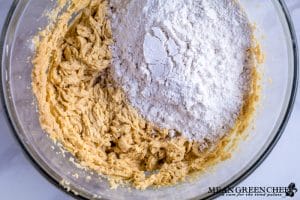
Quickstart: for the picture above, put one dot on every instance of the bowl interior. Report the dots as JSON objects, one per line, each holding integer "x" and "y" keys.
{"x": 277, "y": 82}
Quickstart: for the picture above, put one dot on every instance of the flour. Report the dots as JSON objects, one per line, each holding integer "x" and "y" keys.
{"x": 182, "y": 63}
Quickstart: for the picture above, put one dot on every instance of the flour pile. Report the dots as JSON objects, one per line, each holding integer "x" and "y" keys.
{"x": 182, "y": 63}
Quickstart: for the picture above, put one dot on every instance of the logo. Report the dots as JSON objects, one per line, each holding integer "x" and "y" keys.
{"x": 291, "y": 190}
{"x": 256, "y": 191}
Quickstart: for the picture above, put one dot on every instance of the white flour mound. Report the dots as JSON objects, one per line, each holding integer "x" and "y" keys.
{"x": 182, "y": 63}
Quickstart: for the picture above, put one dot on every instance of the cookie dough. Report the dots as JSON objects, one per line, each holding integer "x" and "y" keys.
{"x": 81, "y": 107}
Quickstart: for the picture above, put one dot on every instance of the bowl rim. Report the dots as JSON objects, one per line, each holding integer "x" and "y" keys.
{"x": 46, "y": 173}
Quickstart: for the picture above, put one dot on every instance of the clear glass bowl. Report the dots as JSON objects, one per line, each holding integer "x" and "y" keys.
{"x": 276, "y": 35}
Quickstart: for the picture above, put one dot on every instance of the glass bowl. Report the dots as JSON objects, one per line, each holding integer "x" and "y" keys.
{"x": 279, "y": 81}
